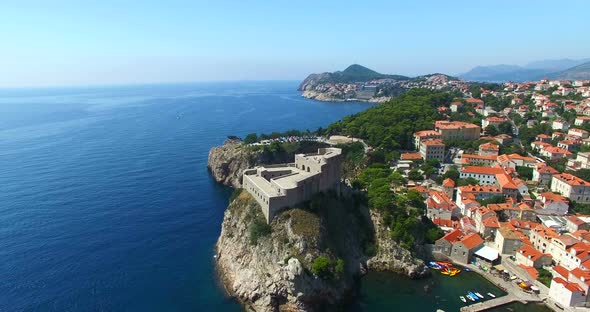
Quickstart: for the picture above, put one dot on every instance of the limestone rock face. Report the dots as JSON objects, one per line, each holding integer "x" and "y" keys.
{"x": 274, "y": 273}
{"x": 391, "y": 256}
{"x": 269, "y": 275}
{"x": 227, "y": 162}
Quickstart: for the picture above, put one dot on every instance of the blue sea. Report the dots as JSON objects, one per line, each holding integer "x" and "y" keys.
{"x": 105, "y": 200}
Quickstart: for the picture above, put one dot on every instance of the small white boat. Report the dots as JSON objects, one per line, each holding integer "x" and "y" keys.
{"x": 491, "y": 295}
{"x": 479, "y": 295}
{"x": 463, "y": 299}
{"x": 470, "y": 298}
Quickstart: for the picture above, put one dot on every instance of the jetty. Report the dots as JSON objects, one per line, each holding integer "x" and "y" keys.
{"x": 490, "y": 304}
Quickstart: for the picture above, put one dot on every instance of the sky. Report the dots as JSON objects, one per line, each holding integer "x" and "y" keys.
{"x": 50, "y": 43}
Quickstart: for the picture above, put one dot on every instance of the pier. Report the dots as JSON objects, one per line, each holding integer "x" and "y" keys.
{"x": 489, "y": 304}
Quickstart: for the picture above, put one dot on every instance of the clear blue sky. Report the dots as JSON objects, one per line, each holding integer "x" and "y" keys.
{"x": 111, "y": 42}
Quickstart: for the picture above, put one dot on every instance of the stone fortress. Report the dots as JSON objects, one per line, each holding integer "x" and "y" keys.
{"x": 276, "y": 187}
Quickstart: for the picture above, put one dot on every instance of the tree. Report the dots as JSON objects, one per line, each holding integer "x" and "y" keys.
{"x": 467, "y": 181}
{"x": 321, "y": 267}
{"x": 525, "y": 172}
{"x": 339, "y": 267}
{"x": 433, "y": 234}
{"x": 415, "y": 175}
{"x": 251, "y": 138}
{"x": 415, "y": 199}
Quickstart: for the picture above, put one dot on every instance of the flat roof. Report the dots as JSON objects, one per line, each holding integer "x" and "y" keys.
{"x": 487, "y": 253}
{"x": 290, "y": 181}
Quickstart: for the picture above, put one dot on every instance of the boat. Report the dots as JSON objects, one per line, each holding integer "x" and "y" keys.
{"x": 445, "y": 272}
{"x": 491, "y": 295}
{"x": 474, "y": 296}
{"x": 462, "y": 298}
{"x": 470, "y": 298}
{"x": 479, "y": 295}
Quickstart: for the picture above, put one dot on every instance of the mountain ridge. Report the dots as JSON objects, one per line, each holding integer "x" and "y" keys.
{"x": 532, "y": 71}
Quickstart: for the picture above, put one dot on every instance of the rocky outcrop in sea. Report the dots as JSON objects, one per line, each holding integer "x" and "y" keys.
{"x": 275, "y": 271}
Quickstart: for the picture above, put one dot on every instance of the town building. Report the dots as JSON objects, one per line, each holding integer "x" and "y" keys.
{"x": 457, "y": 130}
{"x": 529, "y": 256}
{"x": 277, "y": 187}
{"x": 571, "y": 187}
{"x": 488, "y": 149}
{"x": 550, "y": 203}
{"x": 432, "y": 149}
{"x": 507, "y": 241}
{"x": 424, "y": 135}
{"x": 543, "y": 173}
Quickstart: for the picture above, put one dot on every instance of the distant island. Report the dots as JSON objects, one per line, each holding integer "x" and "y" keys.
{"x": 358, "y": 83}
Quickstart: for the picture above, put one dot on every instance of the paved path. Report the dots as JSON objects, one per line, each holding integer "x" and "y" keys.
{"x": 514, "y": 292}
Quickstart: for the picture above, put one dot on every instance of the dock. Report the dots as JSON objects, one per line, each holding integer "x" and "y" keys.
{"x": 493, "y": 303}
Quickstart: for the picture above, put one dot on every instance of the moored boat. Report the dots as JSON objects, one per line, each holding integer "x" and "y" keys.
{"x": 491, "y": 295}
{"x": 462, "y": 298}
{"x": 474, "y": 296}
{"x": 479, "y": 295}
{"x": 470, "y": 298}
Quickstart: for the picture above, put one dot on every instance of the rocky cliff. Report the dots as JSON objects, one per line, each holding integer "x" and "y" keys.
{"x": 278, "y": 267}
{"x": 228, "y": 161}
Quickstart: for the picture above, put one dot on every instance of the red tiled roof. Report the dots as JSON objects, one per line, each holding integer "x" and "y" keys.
{"x": 448, "y": 182}
{"x": 530, "y": 270}
{"x": 482, "y": 170}
{"x": 530, "y": 252}
{"x": 573, "y": 287}
{"x": 491, "y": 222}
{"x": 571, "y": 179}
{"x": 561, "y": 271}
{"x": 411, "y": 156}
{"x": 472, "y": 240}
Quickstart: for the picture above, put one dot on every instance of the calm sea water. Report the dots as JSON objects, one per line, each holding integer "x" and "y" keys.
{"x": 105, "y": 201}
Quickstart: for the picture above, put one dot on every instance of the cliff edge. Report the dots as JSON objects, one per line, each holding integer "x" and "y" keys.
{"x": 308, "y": 258}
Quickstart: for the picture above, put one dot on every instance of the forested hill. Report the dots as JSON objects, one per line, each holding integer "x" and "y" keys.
{"x": 353, "y": 73}
{"x": 391, "y": 125}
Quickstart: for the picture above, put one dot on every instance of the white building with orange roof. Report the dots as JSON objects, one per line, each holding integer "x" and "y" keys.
{"x": 581, "y": 133}
{"x": 543, "y": 173}
{"x": 488, "y": 149}
{"x": 565, "y": 293}
{"x": 581, "y": 120}
{"x": 440, "y": 206}
{"x": 543, "y": 138}
{"x": 457, "y": 130}
{"x": 432, "y": 149}
{"x": 423, "y": 135}
{"x": 507, "y": 241}
{"x": 493, "y": 121}
{"x": 576, "y": 255}
{"x": 554, "y": 153}
{"x": 481, "y": 216}
{"x": 529, "y": 256}
{"x": 559, "y": 248}
{"x": 571, "y": 187}
{"x": 577, "y": 223}
{"x": 582, "y": 161}
{"x": 449, "y": 187}
{"x": 550, "y": 203}
{"x": 478, "y": 160}
{"x": 541, "y": 237}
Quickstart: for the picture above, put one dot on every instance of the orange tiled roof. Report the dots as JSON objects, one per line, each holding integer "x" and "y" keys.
{"x": 472, "y": 240}
{"x": 448, "y": 182}
{"x": 411, "y": 156}
{"x": 571, "y": 179}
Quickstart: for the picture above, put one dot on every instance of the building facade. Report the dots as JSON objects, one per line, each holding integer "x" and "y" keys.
{"x": 276, "y": 187}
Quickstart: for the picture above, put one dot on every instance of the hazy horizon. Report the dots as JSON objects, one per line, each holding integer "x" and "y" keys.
{"x": 68, "y": 43}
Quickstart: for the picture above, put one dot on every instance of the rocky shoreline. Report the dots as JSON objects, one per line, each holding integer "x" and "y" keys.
{"x": 274, "y": 271}
{"x": 325, "y": 97}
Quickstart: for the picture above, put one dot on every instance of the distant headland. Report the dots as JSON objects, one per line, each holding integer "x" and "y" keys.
{"x": 358, "y": 83}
